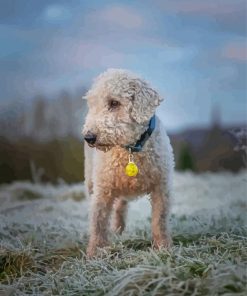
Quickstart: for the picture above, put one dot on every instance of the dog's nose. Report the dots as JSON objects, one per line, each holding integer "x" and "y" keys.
{"x": 90, "y": 138}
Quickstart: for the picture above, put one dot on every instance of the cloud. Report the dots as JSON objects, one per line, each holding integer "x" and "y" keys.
{"x": 228, "y": 15}
{"x": 223, "y": 8}
{"x": 26, "y": 13}
{"x": 118, "y": 15}
{"x": 56, "y": 13}
{"x": 59, "y": 63}
{"x": 236, "y": 51}
{"x": 182, "y": 47}
{"x": 74, "y": 53}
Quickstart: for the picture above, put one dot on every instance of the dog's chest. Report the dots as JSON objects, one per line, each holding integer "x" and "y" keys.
{"x": 146, "y": 178}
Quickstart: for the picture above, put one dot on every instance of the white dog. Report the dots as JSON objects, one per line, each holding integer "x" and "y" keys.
{"x": 121, "y": 124}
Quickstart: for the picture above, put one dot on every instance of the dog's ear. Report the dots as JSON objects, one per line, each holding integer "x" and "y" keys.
{"x": 144, "y": 101}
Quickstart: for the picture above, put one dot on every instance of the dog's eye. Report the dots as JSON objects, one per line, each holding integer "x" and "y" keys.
{"x": 113, "y": 104}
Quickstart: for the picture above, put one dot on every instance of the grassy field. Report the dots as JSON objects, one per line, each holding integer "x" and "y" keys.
{"x": 43, "y": 237}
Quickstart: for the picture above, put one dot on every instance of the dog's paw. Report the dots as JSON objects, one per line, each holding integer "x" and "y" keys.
{"x": 91, "y": 252}
{"x": 162, "y": 243}
{"x": 93, "y": 249}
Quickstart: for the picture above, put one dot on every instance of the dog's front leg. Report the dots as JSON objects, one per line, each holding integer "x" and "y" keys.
{"x": 100, "y": 214}
{"x": 160, "y": 209}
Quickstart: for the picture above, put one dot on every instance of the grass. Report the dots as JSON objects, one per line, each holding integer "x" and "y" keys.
{"x": 203, "y": 265}
{"x": 209, "y": 255}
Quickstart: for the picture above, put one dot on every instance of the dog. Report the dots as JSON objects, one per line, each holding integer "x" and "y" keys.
{"x": 133, "y": 155}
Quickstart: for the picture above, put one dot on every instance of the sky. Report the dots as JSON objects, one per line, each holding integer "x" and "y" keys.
{"x": 193, "y": 52}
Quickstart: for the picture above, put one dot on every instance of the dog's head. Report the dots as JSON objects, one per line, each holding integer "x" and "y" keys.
{"x": 120, "y": 107}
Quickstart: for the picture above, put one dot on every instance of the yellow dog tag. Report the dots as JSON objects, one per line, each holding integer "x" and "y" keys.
{"x": 131, "y": 168}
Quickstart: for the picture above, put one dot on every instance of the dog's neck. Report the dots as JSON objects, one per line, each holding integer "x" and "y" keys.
{"x": 137, "y": 147}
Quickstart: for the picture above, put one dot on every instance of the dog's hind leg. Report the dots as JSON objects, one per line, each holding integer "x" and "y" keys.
{"x": 119, "y": 215}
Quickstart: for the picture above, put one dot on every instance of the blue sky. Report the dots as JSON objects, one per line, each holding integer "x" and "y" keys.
{"x": 194, "y": 52}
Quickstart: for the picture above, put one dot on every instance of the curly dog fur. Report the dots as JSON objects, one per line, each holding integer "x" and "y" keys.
{"x": 115, "y": 125}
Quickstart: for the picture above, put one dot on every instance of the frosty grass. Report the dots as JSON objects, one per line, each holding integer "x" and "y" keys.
{"x": 43, "y": 238}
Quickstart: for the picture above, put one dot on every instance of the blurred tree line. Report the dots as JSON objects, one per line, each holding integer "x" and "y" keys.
{"x": 41, "y": 141}
{"x": 43, "y": 119}
{"x": 54, "y": 160}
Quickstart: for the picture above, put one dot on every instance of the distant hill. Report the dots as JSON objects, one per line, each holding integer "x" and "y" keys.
{"x": 196, "y": 136}
{"x": 211, "y": 149}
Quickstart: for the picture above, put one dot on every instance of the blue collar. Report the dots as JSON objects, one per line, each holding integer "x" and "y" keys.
{"x": 137, "y": 147}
